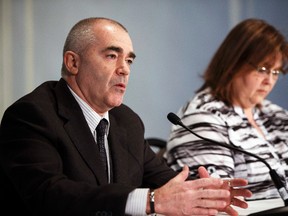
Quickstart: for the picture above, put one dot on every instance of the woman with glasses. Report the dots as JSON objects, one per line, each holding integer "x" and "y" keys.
{"x": 231, "y": 108}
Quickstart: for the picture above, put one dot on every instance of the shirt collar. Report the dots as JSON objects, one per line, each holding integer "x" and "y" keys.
{"x": 92, "y": 117}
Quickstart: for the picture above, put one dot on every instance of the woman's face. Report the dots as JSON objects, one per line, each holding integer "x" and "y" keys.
{"x": 251, "y": 87}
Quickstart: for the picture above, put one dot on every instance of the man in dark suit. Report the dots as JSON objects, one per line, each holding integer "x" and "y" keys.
{"x": 50, "y": 160}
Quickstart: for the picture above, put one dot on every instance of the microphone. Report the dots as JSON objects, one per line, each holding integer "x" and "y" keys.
{"x": 174, "y": 119}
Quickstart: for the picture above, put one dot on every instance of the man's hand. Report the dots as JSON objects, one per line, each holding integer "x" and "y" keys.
{"x": 205, "y": 196}
{"x": 237, "y": 194}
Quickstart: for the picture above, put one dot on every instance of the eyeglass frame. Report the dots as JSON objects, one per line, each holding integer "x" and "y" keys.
{"x": 262, "y": 70}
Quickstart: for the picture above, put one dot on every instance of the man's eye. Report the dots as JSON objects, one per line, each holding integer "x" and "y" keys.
{"x": 112, "y": 56}
{"x": 130, "y": 61}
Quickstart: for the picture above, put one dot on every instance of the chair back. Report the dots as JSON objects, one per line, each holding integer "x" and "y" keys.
{"x": 158, "y": 145}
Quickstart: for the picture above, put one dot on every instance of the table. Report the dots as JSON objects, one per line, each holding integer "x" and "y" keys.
{"x": 256, "y": 206}
{"x": 259, "y": 205}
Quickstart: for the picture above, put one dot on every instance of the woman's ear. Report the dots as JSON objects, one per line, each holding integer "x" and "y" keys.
{"x": 72, "y": 62}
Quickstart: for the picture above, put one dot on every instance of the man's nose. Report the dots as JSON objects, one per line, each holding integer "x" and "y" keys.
{"x": 123, "y": 68}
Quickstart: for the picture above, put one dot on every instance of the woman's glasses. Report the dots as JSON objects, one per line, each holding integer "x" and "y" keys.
{"x": 265, "y": 72}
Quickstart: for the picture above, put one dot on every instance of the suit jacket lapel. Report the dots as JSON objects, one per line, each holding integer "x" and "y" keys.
{"x": 118, "y": 151}
{"x": 78, "y": 130}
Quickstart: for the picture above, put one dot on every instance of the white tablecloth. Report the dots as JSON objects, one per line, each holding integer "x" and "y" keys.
{"x": 259, "y": 205}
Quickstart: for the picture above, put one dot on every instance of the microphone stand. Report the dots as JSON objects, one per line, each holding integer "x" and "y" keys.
{"x": 279, "y": 211}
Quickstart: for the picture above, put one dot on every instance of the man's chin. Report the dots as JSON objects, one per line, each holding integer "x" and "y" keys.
{"x": 116, "y": 103}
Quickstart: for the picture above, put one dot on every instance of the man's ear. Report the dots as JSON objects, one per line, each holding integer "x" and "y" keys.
{"x": 71, "y": 61}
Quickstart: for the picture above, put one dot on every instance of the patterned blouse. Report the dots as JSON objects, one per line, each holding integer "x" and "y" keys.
{"x": 212, "y": 119}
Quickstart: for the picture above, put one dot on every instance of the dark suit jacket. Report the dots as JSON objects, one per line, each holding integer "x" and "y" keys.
{"x": 50, "y": 161}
